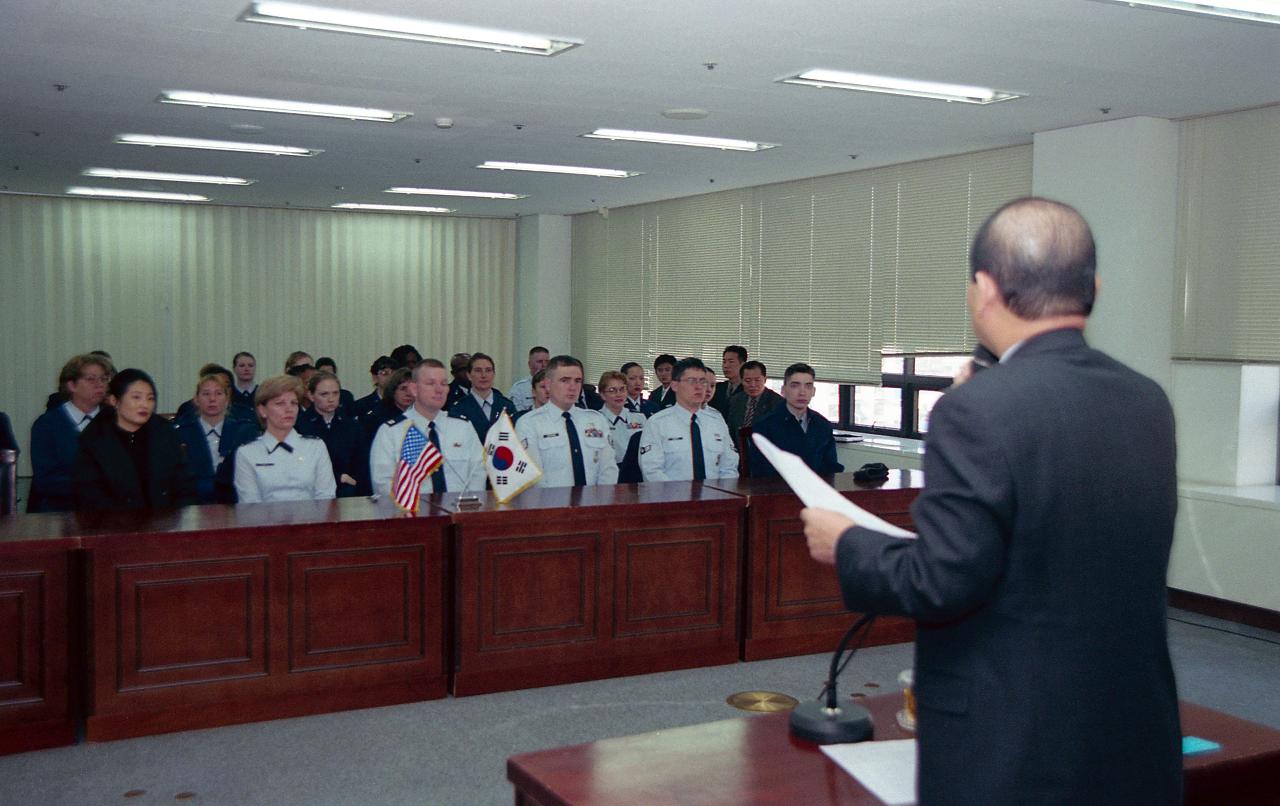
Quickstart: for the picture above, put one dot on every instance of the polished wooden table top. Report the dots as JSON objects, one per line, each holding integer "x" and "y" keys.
{"x": 842, "y": 482}
{"x": 673, "y": 493}
{"x": 756, "y": 760}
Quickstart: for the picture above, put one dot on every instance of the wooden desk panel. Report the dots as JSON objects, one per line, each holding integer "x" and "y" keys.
{"x": 37, "y": 637}
{"x": 569, "y": 584}
{"x": 262, "y": 611}
{"x": 756, "y": 760}
{"x": 793, "y": 604}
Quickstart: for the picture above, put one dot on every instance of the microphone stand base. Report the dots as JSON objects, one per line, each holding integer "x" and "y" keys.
{"x": 813, "y": 722}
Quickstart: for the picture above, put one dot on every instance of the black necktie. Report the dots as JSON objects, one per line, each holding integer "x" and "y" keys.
{"x": 213, "y": 432}
{"x": 288, "y": 448}
{"x": 695, "y": 443}
{"x": 575, "y": 452}
{"x": 437, "y": 478}
{"x": 86, "y": 419}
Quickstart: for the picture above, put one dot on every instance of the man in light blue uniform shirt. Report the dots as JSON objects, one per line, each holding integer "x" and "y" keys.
{"x": 570, "y": 444}
{"x": 683, "y": 442}
{"x": 521, "y": 393}
{"x": 463, "y": 467}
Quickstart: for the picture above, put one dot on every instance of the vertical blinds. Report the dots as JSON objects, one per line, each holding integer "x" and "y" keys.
{"x": 1228, "y": 251}
{"x": 168, "y": 288}
{"x": 830, "y": 271}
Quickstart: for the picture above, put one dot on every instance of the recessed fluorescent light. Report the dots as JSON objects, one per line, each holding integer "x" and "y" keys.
{"x": 297, "y": 15}
{"x": 135, "y": 194}
{"x": 469, "y": 194}
{"x": 216, "y": 145}
{"x": 863, "y": 82}
{"x": 398, "y": 208}
{"x": 1242, "y": 10}
{"x": 218, "y": 101}
{"x": 609, "y": 173}
{"x": 156, "y": 176}
{"x": 678, "y": 140}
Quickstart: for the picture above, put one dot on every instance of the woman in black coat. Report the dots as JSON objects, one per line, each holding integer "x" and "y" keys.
{"x": 130, "y": 459}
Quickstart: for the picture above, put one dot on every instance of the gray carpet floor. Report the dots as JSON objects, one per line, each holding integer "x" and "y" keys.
{"x": 454, "y": 751}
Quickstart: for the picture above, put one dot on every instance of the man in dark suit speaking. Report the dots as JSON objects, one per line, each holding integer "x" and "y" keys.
{"x": 1042, "y": 670}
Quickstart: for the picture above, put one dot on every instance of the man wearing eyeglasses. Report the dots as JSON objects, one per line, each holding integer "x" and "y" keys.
{"x": 683, "y": 442}
{"x": 55, "y": 435}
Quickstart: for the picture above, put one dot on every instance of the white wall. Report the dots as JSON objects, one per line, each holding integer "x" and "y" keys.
{"x": 543, "y": 287}
{"x": 1122, "y": 176}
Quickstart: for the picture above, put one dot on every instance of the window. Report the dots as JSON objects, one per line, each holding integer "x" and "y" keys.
{"x": 900, "y": 406}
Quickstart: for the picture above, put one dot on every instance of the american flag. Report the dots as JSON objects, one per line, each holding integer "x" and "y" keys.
{"x": 418, "y": 459}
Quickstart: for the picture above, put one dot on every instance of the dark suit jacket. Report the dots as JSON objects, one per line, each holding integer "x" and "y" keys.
{"x": 344, "y": 437}
{"x": 766, "y": 403}
{"x": 105, "y": 477}
{"x": 1042, "y": 670}
{"x": 720, "y": 400}
{"x": 54, "y": 442}
{"x": 589, "y": 399}
{"x": 467, "y": 408}
{"x": 816, "y": 446}
{"x": 659, "y": 400}
{"x": 214, "y": 485}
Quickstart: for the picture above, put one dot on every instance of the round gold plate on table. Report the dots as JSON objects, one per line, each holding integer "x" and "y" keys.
{"x": 764, "y": 701}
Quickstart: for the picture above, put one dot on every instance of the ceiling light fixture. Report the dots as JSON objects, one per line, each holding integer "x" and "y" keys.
{"x": 156, "y": 176}
{"x": 469, "y": 194}
{"x": 215, "y": 145}
{"x": 219, "y": 101}
{"x": 135, "y": 194}
{"x": 863, "y": 82}
{"x": 723, "y": 143}
{"x": 396, "y": 208}
{"x": 608, "y": 173}
{"x": 297, "y": 15}
{"x": 1267, "y": 11}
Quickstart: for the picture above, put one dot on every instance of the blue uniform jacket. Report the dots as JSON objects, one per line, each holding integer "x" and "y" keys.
{"x": 348, "y": 453}
{"x": 214, "y": 485}
{"x": 468, "y": 408}
{"x": 54, "y": 442}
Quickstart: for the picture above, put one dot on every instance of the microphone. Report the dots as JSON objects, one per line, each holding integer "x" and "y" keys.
{"x": 826, "y": 721}
{"x": 983, "y": 358}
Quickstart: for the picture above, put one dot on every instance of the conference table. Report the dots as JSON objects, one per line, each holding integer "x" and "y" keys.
{"x": 755, "y": 759}
{"x": 129, "y": 624}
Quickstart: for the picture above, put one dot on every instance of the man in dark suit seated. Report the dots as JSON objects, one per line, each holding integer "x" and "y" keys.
{"x": 756, "y": 399}
{"x": 796, "y": 428}
{"x": 663, "y": 395}
{"x": 481, "y": 405}
{"x": 1042, "y": 671}
{"x": 732, "y": 361}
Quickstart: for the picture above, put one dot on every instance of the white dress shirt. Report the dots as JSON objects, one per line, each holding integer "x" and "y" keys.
{"x": 545, "y": 435}
{"x": 463, "y": 454}
{"x": 297, "y": 469}
{"x": 666, "y": 452}
{"x": 79, "y": 418}
{"x": 622, "y": 427}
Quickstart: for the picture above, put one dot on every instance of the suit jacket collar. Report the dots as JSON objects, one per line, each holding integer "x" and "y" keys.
{"x": 1063, "y": 339}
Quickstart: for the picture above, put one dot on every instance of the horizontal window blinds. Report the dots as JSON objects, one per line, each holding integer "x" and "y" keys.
{"x": 169, "y": 287}
{"x": 830, "y": 271}
{"x": 1228, "y": 251}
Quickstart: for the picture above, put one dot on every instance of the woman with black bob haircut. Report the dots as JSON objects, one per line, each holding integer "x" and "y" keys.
{"x": 129, "y": 459}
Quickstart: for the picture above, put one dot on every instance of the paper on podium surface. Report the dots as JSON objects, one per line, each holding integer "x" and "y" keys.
{"x": 816, "y": 493}
{"x": 886, "y": 769}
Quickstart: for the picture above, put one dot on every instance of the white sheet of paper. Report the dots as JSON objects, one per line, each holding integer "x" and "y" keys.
{"x": 886, "y": 769}
{"x": 816, "y": 493}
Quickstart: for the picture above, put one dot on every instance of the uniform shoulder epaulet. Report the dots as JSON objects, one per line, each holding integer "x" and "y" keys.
{"x": 457, "y": 415}
{"x": 395, "y": 419}
{"x": 308, "y": 436}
